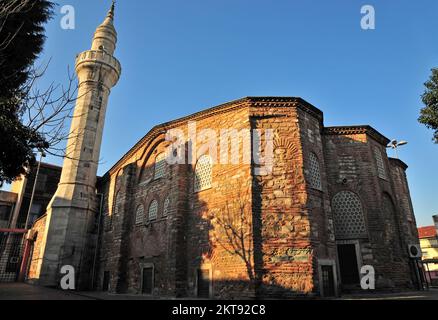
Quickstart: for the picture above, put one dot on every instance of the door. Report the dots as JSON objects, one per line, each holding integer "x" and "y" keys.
{"x": 328, "y": 281}
{"x": 204, "y": 283}
{"x": 106, "y": 281}
{"x": 348, "y": 264}
{"x": 148, "y": 280}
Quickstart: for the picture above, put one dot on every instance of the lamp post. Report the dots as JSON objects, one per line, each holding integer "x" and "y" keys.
{"x": 394, "y": 144}
{"x": 43, "y": 155}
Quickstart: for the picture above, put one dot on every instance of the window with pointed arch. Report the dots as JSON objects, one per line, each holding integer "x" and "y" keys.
{"x": 348, "y": 216}
{"x": 139, "y": 215}
{"x": 203, "y": 173}
{"x": 315, "y": 173}
{"x": 380, "y": 164}
{"x": 160, "y": 166}
{"x": 153, "y": 210}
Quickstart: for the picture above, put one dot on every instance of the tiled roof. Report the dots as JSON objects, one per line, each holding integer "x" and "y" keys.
{"x": 427, "y": 232}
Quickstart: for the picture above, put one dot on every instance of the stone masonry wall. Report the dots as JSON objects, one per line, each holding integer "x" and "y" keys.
{"x": 288, "y": 221}
{"x": 352, "y": 166}
{"x": 37, "y": 254}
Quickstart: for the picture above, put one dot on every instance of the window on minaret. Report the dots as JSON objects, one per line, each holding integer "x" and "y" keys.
{"x": 380, "y": 164}
{"x": 153, "y": 210}
{"x": 348, "y": 216}
{"x": 203, "y": 173}
{"x": 139, "y": 214}
{"x": 160, "y": 166}
{"x": 314, "y": 173}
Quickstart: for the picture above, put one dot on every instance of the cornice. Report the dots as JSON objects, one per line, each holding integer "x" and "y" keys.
{"x": 351, "y": 130}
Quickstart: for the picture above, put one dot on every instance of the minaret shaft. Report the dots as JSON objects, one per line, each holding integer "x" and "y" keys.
{"x": 71, "y": 213}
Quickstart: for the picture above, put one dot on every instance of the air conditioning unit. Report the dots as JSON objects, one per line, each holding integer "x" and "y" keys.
{"x": 415, "y": 251}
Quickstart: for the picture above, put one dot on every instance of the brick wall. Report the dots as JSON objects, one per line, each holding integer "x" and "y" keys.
{"x": 37, "y": 253}
{"x": 290, "y": 224}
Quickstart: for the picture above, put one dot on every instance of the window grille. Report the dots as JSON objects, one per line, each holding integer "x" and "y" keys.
{"x": 160, "y": 166}
{"x": 139, "y": 214}
{"x": 315, "y": 173}
{"x": 203, "y": 174}
{"x": 348, "y": 216}
{"x": 380, "y": 165}
{"x": 153, "y": 210}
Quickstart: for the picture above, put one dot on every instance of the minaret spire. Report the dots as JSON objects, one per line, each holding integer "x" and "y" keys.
{"x": 110, "y": 15}
{"x": 111, "y": 11}
{"x": 105, "y": 37}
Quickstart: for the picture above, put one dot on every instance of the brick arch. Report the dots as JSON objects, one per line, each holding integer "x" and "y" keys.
{"x": 392, "y": 230}
{"x": 148, "y": 152}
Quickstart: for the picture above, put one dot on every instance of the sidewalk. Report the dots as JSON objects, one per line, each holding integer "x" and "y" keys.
{"x": 21, "y": 291}
{"x": 431, "y": 294}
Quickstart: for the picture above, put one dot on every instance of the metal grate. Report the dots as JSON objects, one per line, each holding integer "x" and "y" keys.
{"x": 380, "y": 165}
{"x": 348, "y": 215}
{"x": 153, "y": 210}
{"x": 315, "y": 173}
{"x": 166, "y": 207}
{"x": 160, "y": 166}
{"x": 139, "y": 214}
{"x": 203, "y": 173}
{"x": 11, "y": 245}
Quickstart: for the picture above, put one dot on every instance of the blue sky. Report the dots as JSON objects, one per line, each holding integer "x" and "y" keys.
{"x": 180, "y": 57}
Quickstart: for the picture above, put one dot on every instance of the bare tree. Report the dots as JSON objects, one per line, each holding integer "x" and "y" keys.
{"x": 233, "y": 231}
{"x": 49, "y": 111}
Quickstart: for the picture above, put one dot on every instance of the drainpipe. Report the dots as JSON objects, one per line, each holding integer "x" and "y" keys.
{"x": 96, "y": 246}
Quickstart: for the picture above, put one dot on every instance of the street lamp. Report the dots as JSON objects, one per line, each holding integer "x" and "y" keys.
{"x": 29, "y": 211}
{"x": 394, "y": 144}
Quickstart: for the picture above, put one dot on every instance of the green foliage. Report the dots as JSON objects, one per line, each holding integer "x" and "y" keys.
{"x": 429, "y": 114}
{"x": 21, "y": 41}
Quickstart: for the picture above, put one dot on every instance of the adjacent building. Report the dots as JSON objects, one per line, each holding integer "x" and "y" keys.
{"x": 14, "y": 212}
{"x": 429, "y": 247}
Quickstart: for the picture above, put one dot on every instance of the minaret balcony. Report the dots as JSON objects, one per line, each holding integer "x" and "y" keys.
{"x": 98, "y": 56}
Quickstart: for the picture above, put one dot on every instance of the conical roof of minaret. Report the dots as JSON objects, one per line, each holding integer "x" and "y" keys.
{"x": 109, "y": 20}
{"x": 106, "y": 34}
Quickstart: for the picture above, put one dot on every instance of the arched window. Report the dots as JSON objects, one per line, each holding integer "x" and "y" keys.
{"x": 380, "y": 164}
{"x": 348, "y": 216}
{"x": 166, "y": 207}
{"x": 203, "y": 173}
{"x": 139, "y": 214}
{"x": 153, "y": 210}
{"x": 160, "y": 166}
{"x": 315, "y": 173}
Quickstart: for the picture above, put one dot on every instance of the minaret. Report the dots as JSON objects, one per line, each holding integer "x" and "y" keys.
{"x": 68, "y": 238}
